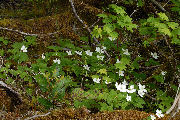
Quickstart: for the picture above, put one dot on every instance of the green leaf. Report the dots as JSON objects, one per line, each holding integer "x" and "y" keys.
{"x": 159, "y": 78}
{"x": 102, "y": 71}
{"x": 118, "y": 10}
{"x": 127, "y": 19}
{"x": 95, "y": 76}
{"x": 146, "y": 43}
{"x": 107, "y": 20}
{"x": 163, "y": 16}
{"x": 102, "y": 15}
{"x": 9, "y": 80}
{"x": 131, "y": 26}
{"x": 175, "y": 40}
{"x": 135, "y": 64}
{"x": 55, "y": 48}
{"x": 173, "y": 25}
{"x": 163, "y": 28}
{"x": 106, "y": 78}
{"x": 140, "y": 3}
{"x": 123, "y": 62}
{"x": 138, "y": 102}
{"x": 152, "y": 20}
{"x": 23, "y": 57}
{"x": 108, "y": 28}
{"x": 114, "y": 34}
{"x": 145, "y": 30}
{"x": 97, "y": 32}
{"x": 1, "y": 52}
{"x": 105, "y": 107}
{"x": 31, "y": 40}
{"x": 1, "y": 39}
{"x": 46, "y": 103}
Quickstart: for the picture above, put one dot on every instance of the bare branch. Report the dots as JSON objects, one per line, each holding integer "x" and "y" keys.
{"x": 86, "y": 26}
{"x": 35, "y": 116}
{"x": 175, "y": 107}
{"x": 158, "y": 5}
{"x": 166, "y": 3}
{"x": 133, "y": 13}
{"x": 24, "y": 33}
{"x": 150, "y": 97}
{"x": 11, "y": 93}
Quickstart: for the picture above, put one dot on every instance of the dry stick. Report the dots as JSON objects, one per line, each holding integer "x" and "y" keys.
{"x": 15, "y": 96}
{"x": 166, "y": 3}
{"x": 157, "y": 4}
{"x": 133, "y": 13}
{"x": 35, "y": 116}
{"x": 176, "y": 104}
{"x": 150, "y": 97}
{"x": 24, "y": 33}
{"x": 86, "y": 26}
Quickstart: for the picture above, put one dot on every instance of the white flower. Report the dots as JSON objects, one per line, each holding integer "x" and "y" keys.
{"x": 125, "y": 51}
{"x": 124, "y": 83}
{"x": 100, "y": 57}
{"x": 96, "y": 80}
{"x": 98, "y": 49}
{"x": 141, "y": 90}
{"x": 163, "y": 73}
{"x": 128, "y": 98}
{"x": 142, "y": 87}
{"x": 57, "y": 61}
{"x": 89, "y": 53}
{"x": 118, "y": 61}
{"x": 159, "y": 113}
{"x": 43, "y": 57}
{"x": 102, "y": 50}
{"x": 121, "y": 87}
{"x": 153, "y": 117}
{"x": 24, "y": 49}
{"x": 121, "y": 73}
{"x": 112, "y": 39}
{"x": 69, "y": 52}
{"x": 141, "y": 93}
{"x": 78, "y": 52}
{"x": 86, "y": 67}
{"x": 107, "y": 82}
{"x": 154, "y": 55}
{"x": 103, "y": 47}
{"x": 131, "y": 89}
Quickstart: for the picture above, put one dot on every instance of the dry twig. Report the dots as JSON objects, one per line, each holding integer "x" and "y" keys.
{"x": 35, "y": 116}
{"x": 158, "y": 5}
{"x": 85, "y": 25}
{"x": 15, "y": 97}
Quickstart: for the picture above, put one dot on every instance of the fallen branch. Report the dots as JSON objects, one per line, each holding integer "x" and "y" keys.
{"x": 86, "y": 26}
{"x": 35, "y": 116}
{"x": 23, "y": 33}
{"x": 26, "y": 34}
{"x": 158, "y": 5}
{"x": 175, "y": 107}
{"x": 15, "y": 97}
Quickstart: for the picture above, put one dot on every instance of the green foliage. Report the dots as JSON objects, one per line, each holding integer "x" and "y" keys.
{"x": 112, "y": 22}
{"x": 176, "y": 7}
{"x": 162, "y": 25}
{"x": 90, "y": 78}
{"x": 165, "y": 101}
